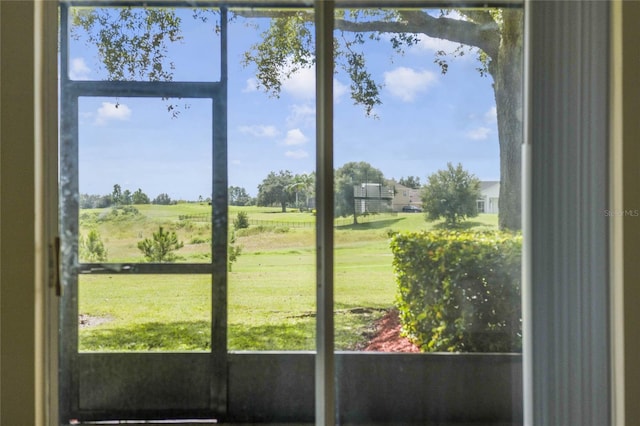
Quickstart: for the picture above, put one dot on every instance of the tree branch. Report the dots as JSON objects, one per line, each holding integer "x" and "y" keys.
{"x": 483, "y": 34}
{"x": 482, "y": 17}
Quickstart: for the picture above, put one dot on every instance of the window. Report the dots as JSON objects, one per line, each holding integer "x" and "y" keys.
{"x": 245, "y": 350}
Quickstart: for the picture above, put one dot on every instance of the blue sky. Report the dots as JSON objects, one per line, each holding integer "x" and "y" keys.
{"x": 426, "y": 120}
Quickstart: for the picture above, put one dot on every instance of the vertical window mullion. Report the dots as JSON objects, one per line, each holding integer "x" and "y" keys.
{"x": 324, "y": 375}
{"x": 219, "y": 231}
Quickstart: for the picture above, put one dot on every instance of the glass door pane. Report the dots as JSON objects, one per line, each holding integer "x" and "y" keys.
{"x": 142, "y": 171}
{"x": 431, "y": 282}
{"x": 271, "y": 186}
{"x": 144, "y": 228}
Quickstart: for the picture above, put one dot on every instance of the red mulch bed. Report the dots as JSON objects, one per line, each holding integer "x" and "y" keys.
{"x": 387, "y": 336}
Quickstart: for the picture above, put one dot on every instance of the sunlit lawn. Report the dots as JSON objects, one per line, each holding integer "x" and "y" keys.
{"x": 271, "y": 290}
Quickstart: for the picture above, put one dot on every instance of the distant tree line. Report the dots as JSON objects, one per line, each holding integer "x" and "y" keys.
{"x": 238, "y": 196}
{"x": 286, "y": 189}
{"x": 410, "y": 182}
{"x": 118, "y": 197}
{"x": 450, "y": 194}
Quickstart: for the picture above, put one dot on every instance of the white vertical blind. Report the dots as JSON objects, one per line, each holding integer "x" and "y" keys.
{"x": 568, "y": 101}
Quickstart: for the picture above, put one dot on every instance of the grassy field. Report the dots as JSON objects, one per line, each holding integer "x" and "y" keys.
{"x": 271, "y": 302}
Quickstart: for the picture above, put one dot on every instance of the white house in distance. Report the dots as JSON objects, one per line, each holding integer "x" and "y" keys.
{"x": 405, "y": 196}
{"x": 489, "y": 197}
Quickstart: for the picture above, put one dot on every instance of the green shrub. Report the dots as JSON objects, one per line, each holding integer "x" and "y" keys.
{"x": 233, "y": 251}
{"x": 255, "y": 230}
{"x": 130, "y": 210}
{"x": 92, "y": 248}
{"x": 460, "y": 291}
{"x": 199, "y": 240}
{"x": 119, "y": 214}
{"x": 241, "y": 221}
{"x": 161, "y": 247}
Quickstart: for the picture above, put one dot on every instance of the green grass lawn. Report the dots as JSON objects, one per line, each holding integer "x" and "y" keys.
{"x": 271, "y": 291}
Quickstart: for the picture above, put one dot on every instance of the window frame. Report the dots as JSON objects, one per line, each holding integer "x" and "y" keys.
{"x": 531, "y": 158}
{"x": 325, "y": 358}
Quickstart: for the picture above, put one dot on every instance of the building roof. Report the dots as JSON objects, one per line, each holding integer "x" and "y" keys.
{"x": 486, "y": 184}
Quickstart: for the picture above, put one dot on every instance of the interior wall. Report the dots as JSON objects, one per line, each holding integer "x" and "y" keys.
{"x": 17, "y": 214}
{"x": 631, "y": 202}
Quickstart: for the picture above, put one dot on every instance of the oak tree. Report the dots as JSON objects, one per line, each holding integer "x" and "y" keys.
{"x": 274, "y": 189}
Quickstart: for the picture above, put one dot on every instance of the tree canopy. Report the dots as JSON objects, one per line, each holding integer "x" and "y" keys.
{"x": 274, "y": 189}
{"x": 410, "y": 182}
{"x": 346, "y": 177}
{"x": 302, "y": 186}
{"x": 238, "y": 196}
{"x": 140, "y": 197}
{"x": 162, "y": 199}
{"x": 451, "y": 194}
{"x": 495, "y": 36}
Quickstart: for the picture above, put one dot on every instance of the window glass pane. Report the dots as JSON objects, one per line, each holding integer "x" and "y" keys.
{"x": 122, "y": 313}
{"x": 426, "y": 128}
{"x": 427, "y": 237}
{"x": 140, "y": 169}
{"x": 271, "y": 184}
{"x": 160, "y": 43}
{"x": 409, "y": 109}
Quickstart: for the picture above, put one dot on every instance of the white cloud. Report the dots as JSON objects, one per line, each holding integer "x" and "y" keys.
{"x": 78, "y": 69}
{"x": 297, "y": 154}
{"x": 491, "y": 116}
{"x": 111, "y": 111}
{"x": 260, "y": 131}
{"x": 295, "y": 137}
{"x": 250, "y": 86}
{"x": 430, "y": 45}
{"x": 301, "y": 84}
{"x": 479, "y": 133}
{"x": 406, "y": 83}
{"x": 436, "y": 44}
{"x": 301, "y": 115}
{"x": 339, "y": 90}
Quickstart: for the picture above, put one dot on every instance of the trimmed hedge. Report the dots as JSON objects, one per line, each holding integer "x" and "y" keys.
{"x": 460, "y": 291}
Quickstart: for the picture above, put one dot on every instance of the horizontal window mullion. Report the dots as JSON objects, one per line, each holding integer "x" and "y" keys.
{"x": 145, "y": 268}
{"x": 168, "y": 89}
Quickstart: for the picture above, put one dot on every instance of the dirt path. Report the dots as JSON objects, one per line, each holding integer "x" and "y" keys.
{"x": 387, "y": 336}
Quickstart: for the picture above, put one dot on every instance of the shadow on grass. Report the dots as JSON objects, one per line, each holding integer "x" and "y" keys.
{"x": 151, "y": 336}
{"x": 195, "y": 336}
{"x": 353, "y": 328}
{"x": 462, "y": 226}
{"x": 295, "y": 335}
{"x": 374, "y": 224}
